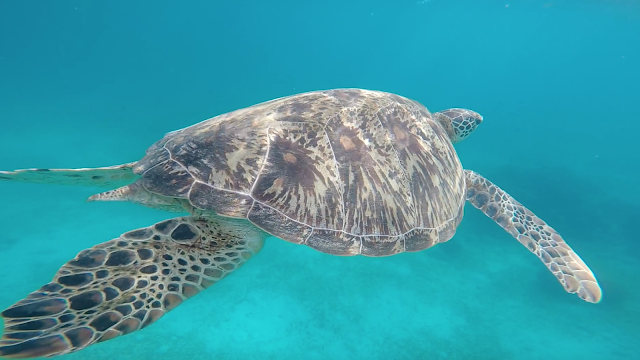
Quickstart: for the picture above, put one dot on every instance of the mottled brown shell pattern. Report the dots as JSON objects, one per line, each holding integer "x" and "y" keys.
{"x": 344, "y": 171}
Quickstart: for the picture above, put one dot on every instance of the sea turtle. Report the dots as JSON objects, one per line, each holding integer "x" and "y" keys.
{"x": 343, "y": 171}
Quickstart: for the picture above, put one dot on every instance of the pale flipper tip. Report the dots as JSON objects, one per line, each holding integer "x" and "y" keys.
{"x": 532, "y": 232}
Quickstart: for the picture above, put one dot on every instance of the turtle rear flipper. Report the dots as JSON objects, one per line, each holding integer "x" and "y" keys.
{"x": 532, "y": 232}
{"x": 109, "y": 176}
{"x": 126, "y": 284}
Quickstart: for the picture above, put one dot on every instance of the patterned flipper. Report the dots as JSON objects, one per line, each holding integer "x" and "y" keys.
{"x": 126, "y": 284}
{"x": 532, "y": 232}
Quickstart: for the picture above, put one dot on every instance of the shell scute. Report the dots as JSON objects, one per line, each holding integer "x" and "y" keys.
{"x": 345, "y": 171}
{"x": 299, "y": 178}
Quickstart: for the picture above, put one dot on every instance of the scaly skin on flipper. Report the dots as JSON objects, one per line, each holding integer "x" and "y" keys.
{"x": 126, "y": 284}
{"x": 109, "y": 176}
{"x": 532, "y": 232}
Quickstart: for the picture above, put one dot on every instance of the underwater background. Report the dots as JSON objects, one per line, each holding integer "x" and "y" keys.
{"x": 87, "y": 84}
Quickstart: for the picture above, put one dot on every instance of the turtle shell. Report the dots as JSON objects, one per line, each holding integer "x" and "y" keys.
{"x": 344, "y": 171}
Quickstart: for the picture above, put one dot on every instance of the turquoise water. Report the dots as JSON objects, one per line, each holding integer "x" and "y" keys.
{"x": 557, "y": 82}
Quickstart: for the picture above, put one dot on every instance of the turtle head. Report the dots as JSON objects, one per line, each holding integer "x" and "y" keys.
{"x": 458, "y": 123}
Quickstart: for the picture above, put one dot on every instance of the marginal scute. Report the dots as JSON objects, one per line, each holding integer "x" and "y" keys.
{"x": 335, "y": 242}
{"x": 420, "y": 239}
{"x": 382, "y": 246}
{"x": 447, "y": 231}
{"x": 274, "y": 222}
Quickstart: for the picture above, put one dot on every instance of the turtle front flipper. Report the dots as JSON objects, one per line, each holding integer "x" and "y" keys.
{"x": 540, "y": 238}
{"x": 109, "y": 176}
{"x": 126, "y": 284}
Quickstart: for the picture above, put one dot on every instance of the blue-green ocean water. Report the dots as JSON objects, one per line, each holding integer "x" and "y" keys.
{"x": 558, "y": 82}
